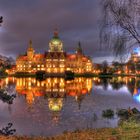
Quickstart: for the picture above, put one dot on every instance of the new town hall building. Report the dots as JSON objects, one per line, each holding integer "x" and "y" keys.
{"x": 55, "y": 60}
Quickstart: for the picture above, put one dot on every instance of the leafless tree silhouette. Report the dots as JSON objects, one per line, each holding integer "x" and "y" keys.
{"x": 120, "y": 28}
{"x": 1, "y": 20}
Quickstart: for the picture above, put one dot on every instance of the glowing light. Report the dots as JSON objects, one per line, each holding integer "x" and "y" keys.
{"x": 55, "y": 104}
{"x": 137, "y": 97}
{"x": 136, "y": 50}
{"x": 84, "y": 91}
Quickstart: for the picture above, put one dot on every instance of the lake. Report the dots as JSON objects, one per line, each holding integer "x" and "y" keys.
{"x": 53, "y": 106}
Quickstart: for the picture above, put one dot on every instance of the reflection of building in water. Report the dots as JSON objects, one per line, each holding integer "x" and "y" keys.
{"x": 29, "y": 87}
{"x": 132, "y": 84}
{"x": 134, "y": 87}
{"x": 55, "y": 89}
{"x": 78, "y": 86}
{"x": 136, "y": 96}
{"x": 136, "y": 91}
{"x": 30, "y": 97}
{"x": 6, "y": 82}
{"x": 55, "y": 104}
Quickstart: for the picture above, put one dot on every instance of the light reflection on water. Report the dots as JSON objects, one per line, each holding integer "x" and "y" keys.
{"x": 54, "y": 105}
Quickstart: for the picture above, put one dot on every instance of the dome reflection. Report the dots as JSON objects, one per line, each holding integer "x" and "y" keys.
{"x": 55, "y": 104}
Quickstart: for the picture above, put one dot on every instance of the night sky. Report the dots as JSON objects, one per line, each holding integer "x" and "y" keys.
{"x": 76, "y": 20}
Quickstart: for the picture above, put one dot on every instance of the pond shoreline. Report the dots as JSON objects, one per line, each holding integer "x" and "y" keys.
{"x": 89, "y": 134}
{"x": 75, "y": 75}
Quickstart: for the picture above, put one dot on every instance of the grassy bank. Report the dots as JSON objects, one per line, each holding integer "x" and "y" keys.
{"x": 96, "y": 134}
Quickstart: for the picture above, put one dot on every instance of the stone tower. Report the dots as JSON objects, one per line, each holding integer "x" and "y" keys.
{"x": 30, "y": 51}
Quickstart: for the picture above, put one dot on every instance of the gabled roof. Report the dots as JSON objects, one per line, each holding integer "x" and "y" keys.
{"x": 39, "y": 56}
{"x": 23, "y": 58}
{"x": 71, "y": 56}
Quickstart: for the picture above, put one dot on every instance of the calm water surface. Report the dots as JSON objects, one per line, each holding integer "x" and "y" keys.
{"x": 54, "y": 105}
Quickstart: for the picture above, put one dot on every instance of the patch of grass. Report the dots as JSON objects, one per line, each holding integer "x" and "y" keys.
{"x": 114, "y": 132}
{"x": 94, "y": 134}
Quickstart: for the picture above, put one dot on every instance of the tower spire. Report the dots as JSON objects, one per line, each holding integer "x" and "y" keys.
{"x": 55, "y": 32}
{"x": 30, "y": 43}
{"x": 30, "y": 50}
{"x": 79, "y": 48}
{"x": 79, "y": 44}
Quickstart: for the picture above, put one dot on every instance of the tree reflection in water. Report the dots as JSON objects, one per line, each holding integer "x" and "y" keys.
{"x": 7, "y": 131}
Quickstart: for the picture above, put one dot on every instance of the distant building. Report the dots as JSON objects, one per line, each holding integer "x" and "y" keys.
{"x": 12, "y": 70}
{"x": 56, "y": 60}
{"x": 135, "y": 57}
{"x": 133, "y": 64}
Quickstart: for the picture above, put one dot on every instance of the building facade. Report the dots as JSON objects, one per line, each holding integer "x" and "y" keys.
{"x": 133, "y": 64}
{"x": 55, "y": 60}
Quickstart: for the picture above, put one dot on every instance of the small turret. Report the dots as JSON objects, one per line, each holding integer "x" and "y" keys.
{"x": 30, "y": 44}
{"x": 30, "y": 50}
{"x": 79, "y": 48}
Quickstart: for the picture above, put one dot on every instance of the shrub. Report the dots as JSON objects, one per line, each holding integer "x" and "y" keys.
{"x": 108, "y": 113}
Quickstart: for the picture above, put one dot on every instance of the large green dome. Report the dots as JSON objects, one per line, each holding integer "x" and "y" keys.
{"x": 55, "y": 41}
{"x": 55, "y": 44}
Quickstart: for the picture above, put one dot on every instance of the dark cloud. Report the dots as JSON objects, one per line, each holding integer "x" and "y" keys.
{"x": 77, "y": 20}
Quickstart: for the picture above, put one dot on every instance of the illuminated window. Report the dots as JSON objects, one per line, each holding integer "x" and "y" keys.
{"x": 62, "y": 60}
{"x": 62, "y": 66}
{"x": 49, "y": 70}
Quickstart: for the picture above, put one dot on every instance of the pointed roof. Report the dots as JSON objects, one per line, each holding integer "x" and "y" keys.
{"x": 79, "y": 48}
{"x": 56, "y": 33}
{"x": 30, "y": 47}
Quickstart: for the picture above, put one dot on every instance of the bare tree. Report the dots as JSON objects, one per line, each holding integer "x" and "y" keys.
{"x": 120, "y": 29}
{"x": 105, "y": 66}
{"x": 1, "y": 20}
